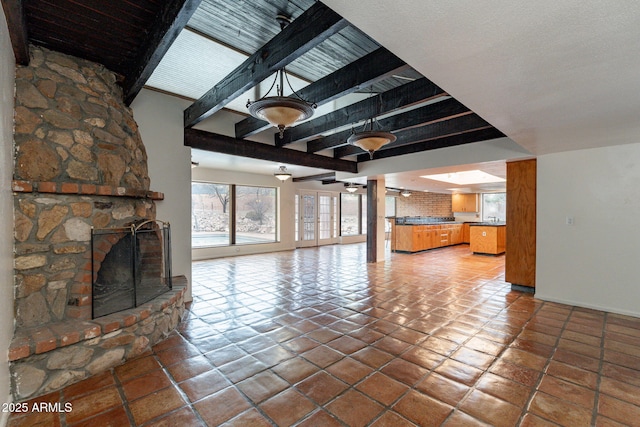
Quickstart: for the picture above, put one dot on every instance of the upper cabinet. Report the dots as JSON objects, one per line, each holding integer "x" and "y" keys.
{"x": 464, "y": 202}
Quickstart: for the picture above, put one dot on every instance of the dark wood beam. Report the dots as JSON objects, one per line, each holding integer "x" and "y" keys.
{"x": 424, "y": 133}
{"x": 172, "y": 19}
{"x": 217, "y": 143}
{"x": 357, "y": 75}
{"x": 16, "y": 23}
{"x": 310, "y": 29}
{"x": 331, "y": 176}
{"x": 449, "y": 141}
{"x": 442, "y": 110}
{"x": 408, "y": 94}
{"x": 334, "y": 140}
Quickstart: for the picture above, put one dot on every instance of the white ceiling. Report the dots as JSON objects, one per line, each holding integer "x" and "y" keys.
{"x": 552, "y": 75}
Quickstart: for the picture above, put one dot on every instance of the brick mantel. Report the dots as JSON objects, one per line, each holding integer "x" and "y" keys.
{"x": 19, "y": 186}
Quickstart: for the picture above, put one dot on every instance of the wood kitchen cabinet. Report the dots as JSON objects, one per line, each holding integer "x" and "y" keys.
{"x": 465, "y": 233}
{"x": 416, "y": 238}
{"x": 464, "y": 203}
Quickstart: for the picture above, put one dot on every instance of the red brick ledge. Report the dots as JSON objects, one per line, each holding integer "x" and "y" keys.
{"x": 19, "y": 186}
{"x": 42, "y": 339}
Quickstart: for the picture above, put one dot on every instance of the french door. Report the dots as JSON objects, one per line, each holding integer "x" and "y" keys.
{"x": 317, "y": 218}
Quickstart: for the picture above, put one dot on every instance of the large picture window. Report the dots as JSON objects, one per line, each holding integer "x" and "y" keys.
{"x": 255, "y": 214}
{"x": 227, "y": 214}
{"x": 353, "y": 214}
{"x": 210, "y": 205}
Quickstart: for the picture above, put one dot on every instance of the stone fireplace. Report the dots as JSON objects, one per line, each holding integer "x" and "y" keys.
{"x": 80, "y": 165}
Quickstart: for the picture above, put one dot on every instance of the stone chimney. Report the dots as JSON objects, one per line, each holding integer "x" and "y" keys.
{"x": 79, "y": 163}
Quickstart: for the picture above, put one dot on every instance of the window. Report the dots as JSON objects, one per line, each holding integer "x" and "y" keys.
{"x": 255, "y": 215}
{"x": 494, "y": 207}
{"x": 363, "y": 214}
{"x": 353, "y": 214}
{"x": 389, "y": 206}
{"x": 209, "y": 214}
{"x": 212, "y": 205}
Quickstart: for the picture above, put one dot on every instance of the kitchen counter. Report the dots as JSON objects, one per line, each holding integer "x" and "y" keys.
{"x": 488, "y": 224}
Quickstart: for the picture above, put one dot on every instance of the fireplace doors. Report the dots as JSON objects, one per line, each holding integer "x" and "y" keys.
{"x": 130, "y": 266}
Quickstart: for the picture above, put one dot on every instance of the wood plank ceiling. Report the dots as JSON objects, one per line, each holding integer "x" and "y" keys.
{"x": 130, "y": 37}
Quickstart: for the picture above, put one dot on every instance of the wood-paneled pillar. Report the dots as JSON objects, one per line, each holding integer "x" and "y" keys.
{"x": 520, "y": 260}
{"x": 375, "y": 220}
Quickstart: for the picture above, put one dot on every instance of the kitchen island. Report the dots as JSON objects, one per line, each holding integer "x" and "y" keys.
{"x": 488, "y": 237}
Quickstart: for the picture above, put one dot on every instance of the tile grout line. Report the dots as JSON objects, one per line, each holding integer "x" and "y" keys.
{"x": 594, "y": 414}
{"x": 534, "y": 389}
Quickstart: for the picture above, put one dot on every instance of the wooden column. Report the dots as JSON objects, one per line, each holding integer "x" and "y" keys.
{"x": 375, "y": 220}
{"x": 520, "y": 259}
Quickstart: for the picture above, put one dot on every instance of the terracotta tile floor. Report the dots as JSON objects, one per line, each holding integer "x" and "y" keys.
{"x": 316, "y": 337}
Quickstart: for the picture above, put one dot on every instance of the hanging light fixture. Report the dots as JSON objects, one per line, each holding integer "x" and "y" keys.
{"x": 372, "y": 137}
{"x": 282, "y": 174}
{"x": 281, "y": 111}
{"x": 351, "y": 187}
{"x": 405, "y": 193}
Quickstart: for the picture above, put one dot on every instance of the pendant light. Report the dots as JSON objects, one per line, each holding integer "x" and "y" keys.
{"x": 372, "y": 137}
{"x": 281, "y": 111}
{"x": 282, "y": 174}
{"x": 351, "y": 187}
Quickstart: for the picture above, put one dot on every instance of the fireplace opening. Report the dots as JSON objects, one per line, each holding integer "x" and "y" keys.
{"x": 130, "y": 266}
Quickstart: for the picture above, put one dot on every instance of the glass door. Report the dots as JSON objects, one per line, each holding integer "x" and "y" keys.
{"x": 318, "y": 213}
{"x": 308, "y": 219}
{"x": 327, "y": 230}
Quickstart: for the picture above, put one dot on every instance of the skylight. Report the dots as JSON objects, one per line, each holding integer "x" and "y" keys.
{"x": 465, "y": 177}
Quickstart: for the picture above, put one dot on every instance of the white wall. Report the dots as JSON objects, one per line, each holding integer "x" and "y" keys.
{"x": 159, "y": 119}
{"x": 7, "y": 83}
{"x": 595, "y": 262}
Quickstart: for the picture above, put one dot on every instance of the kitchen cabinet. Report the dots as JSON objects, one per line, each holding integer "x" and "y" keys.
{"x": 488, "y": 239}
{"x": 464, "y": 203}
{"x": 465, "y": 233}
{"x": 416, "y": 238}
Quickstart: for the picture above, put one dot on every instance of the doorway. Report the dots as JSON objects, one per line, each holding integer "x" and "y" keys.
{"x": 317, "y": 218}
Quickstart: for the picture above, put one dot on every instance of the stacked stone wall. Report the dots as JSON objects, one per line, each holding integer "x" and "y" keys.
{"x": 72, "y": 126}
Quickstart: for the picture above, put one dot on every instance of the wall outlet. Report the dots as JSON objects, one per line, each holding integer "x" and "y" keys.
{"x": 569, "y": 220}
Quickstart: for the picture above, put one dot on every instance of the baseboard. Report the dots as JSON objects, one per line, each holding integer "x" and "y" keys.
{"x": 587, "y": 305}
{"x": 521, "y": 288}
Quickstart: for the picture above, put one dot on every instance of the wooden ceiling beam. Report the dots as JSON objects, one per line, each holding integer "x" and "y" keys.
{"x": 172, "y": 19}
{"x": 217, "y": 143}
{"x": 357, "y": 75}
{"x": 408, "y": 94}
{"x": 310, "y": 29}
{"x": 449, "y": 141}
{"x": 435, "y": 130}
{"x": 17, "y": 25}
{"x": 442, "y": 110}
{"x": 331, "y": 176}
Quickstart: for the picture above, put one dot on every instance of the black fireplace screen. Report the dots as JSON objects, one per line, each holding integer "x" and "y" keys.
{"x": 130, "y": 266}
